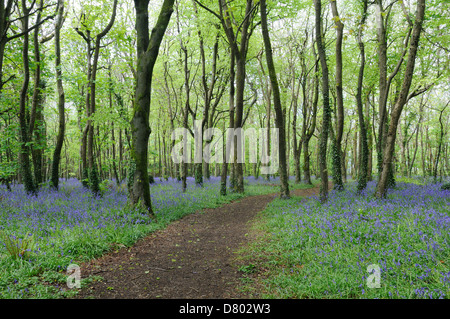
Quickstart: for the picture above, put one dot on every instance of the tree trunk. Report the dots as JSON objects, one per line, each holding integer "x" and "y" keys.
{"x": 401, "y": 100}
{"x": 355, "y": 156}
{"x": 440, "y": 141}
{"x": 337, "y": 147}
{"x": 61, "y": 97}
{"x": 279, "y": 118}
{"x": 322, "y": 156}
{"x": 364, "y": 149}
{"x": 239, "y": 49}
{"x": 36, "y": 115}
{"x": 383, "y": 87}
{"x": 240, "y": 87}
{"x": 297, "y": 147}
{"x": 418, "y": 130}
{"x": 308, "y": 132}
{"x": 25, "y": 164}
{"x": 147, "y": 52}
{"x": 224, "y": 173}
{"x": 369, "y": 140}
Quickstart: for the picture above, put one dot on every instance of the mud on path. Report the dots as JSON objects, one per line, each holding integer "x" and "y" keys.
{"x": 190, "y": 259}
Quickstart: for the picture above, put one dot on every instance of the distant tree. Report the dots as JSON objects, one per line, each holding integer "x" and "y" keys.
{"x": 93, "y": 43}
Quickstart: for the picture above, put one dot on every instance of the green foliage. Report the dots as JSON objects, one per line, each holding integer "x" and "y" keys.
{"x": 404, "y": 179}
{"x": 391, "y": 178}
{"x": 18, "y": 248}
{"x": 85, "y": 178}
{"x": 336, "y": 166}
{"x": 93, "y": 180}
{"x": 248, "y": 269}
{"x": 309, "y": 250}
{"x": 44, "y": 276}
{"x": 105, "y": 186}
{"x": 223, "y": 188}
{"x": 7, "y": 170}
{"x": 445, "y": 186}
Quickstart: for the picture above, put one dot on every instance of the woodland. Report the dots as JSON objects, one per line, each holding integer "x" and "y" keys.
{"x": 91, "y": 92}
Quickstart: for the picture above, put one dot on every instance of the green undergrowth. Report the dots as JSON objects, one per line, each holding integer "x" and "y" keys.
{"x": 36, "y": 266}
{"x": 303, "y": 249}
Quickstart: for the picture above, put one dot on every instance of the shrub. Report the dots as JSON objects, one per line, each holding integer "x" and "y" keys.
{"x": 106, "y": 185}
{"x": 446, "y": 186}
{"x": 18, "y": 247}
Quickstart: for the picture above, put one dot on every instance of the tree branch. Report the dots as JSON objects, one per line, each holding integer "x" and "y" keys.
{"x": 209, "y": 10}
{"x": 18, "y": 35}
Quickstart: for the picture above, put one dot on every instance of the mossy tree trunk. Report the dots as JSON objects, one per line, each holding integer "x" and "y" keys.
{"x": 337, "y": 139}
{"x": 364, "y": 149}
{"x": 147, "y": 53}
{"x": 25, "y": 137}
{"x": 61, "y": 97}
{"x": 279, "y": 118}
{"x": 400, "y": 102}
{"x": 224, "y": 172}
{"x": 87, "y": 150}
{"x": 322, "y": 156}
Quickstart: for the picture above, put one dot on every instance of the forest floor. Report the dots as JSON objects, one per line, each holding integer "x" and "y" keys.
{"x": 192, "y": 258}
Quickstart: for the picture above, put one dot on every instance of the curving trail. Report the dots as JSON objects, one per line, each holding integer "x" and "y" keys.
{"x": 190, "y": 258}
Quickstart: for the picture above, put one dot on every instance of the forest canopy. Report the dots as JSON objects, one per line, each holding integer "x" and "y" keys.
{"x": 94, "y": 89}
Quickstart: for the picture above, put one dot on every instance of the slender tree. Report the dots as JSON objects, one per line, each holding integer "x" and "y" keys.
{"x": 363, "y": 164}
{"x": 309, "y": 123}
{"x": 279, "y": 118}
{"x": 440, "y": 142}
{"x": 322, "y": 157}
{"x": 337, "y": 140}
{"x": 92, "y": 68}
{"x": 238, "y": 36}
{"x": 401, "y": 100}
{"x": 224, "y": 173}
{"x": 61, "y": 97}
{"x": 385, "y": 80}
{"x": 25, "y": 137}
{"x": 36, "y": 116}
{"x": 147, "y": 53}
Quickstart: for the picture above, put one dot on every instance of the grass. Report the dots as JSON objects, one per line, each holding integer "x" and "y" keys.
{"x": 310, "y": 250}
{"x": 41, "y": 236}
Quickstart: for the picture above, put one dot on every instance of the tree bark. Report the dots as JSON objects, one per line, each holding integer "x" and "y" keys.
{"x": 240, "y": 50}
{"x": 36, "y": 116}
{"x": 364, "y": 149}
{"x": 307, "y": 132}
{"x": 224, "y": 173}
{"x": 279, "y": 118}
{"x": 401, "y": 100}
{"x": 90, "y": 170}
{"x": 297, "y": 145}
{"x": 337, "y": 152}
{"x": 147, "y": 52}
{"x": 440, "y": 141}
{"x": 25, "y": 138}
{"x": 61, "y": 97}
{"x": 322, "y": 156}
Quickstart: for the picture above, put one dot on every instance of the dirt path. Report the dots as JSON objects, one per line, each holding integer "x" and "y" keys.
{"x": 191, "y": 258}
